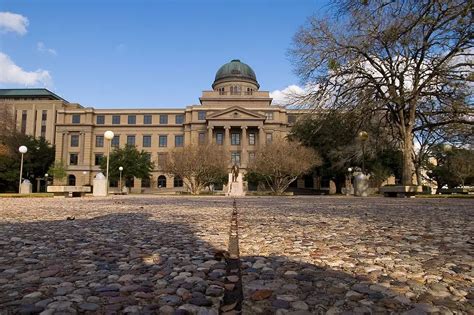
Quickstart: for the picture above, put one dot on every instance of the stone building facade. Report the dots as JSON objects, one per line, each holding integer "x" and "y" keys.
{"x": 235, "y": 114}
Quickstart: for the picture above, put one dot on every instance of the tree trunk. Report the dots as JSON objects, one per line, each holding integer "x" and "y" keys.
{"x": 407, "y": 162}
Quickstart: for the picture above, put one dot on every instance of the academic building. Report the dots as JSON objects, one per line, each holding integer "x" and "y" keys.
{"x": 235, "y": 114}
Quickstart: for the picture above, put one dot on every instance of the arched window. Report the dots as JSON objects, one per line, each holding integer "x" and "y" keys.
{"x": 161, "y": 181}
{"x": 178, "y": 181}
{"x": 71, "y": 180}
{"x": 130, "y": 182}
{"x": 146, "y": 182}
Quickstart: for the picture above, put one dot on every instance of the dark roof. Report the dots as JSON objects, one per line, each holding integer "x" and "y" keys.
{"x": 235, "y": 70}
{"x": 18, "y": 93}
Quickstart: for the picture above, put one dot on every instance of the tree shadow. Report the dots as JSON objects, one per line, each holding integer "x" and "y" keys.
{"x": 134, "y": 261}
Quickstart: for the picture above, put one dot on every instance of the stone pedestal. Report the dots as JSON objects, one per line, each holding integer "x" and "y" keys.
{"x": 235, "y": 189}
{"x": 100, "y": 186}
{"x": 401, "y": 191}
{"x": 361, "y": 185}
{"x": 26, "y": 187}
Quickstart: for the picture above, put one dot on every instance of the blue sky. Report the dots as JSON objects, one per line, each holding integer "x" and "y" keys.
{"x": 136, "y": 54}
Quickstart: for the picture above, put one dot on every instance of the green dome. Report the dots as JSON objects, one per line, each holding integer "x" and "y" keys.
{"x": 235, "y": 71}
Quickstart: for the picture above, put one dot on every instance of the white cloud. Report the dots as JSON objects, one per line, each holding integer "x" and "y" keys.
{"x": 43, "y": 49}
{"x": 288, "y": 95}
{"x": 12, "y": 22}
{"x": 10, "y": 73}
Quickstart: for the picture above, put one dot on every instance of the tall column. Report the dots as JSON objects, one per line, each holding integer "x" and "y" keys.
{"x": 226, "y": 136}
{"x": 82, "y": 148}
{"x": 209, "y": 134}
{"x": 65, "y": 147}
{"x": 244, "y": 143}
{"x": 261, "y": 136}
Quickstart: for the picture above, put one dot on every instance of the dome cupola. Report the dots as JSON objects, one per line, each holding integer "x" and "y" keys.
{"x": 234, "y": 72}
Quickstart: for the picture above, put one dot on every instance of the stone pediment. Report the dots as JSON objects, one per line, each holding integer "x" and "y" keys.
{"x": 236, "y": 113}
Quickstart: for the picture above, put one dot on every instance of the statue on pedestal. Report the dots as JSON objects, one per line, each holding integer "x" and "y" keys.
{"x": 235, "y": 172}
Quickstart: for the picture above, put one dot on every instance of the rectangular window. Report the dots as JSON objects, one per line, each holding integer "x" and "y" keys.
{"x": 162, "y": 159}
{"x": 269, "y": 138}
{"x": 99, "y": 141}
{"x": 98, "y": 158}
{"x": 132, "y": 119}
{"x": 235, "y": 138}
{"x": 220, "y": 138}
{"x": 251, "y": 139}
{"x": 100, "y": 119}
{"x": 179, "y": 119}
{"x": 251, "y": 156}
{"x": 147, "y": 120}
{"x": 115, "y": 141}
{"x": 202, "y": 138}
{"x": 74, "y": 141}
{"x": 201, "y": 115}
{"x": 76, "y": 119}
{"x": 24, "y": 116}
{"x": 43, "y": 131}
{"x": 44, "y": 116}
{"x": 146, "y": 141}
{"x": 179, "y": 141}
{"x": 131, "y": 140}
{"x": 163, "y": 141}
{"x": 291, "y": 119}
{"x": 116, "y": 119}
{"x": 235, "y": 158}
{"x": 73, "y": 159}
{"x": 269, "y": 115}
{"x": 148, "y": 156}
{"x": 163, "y": 119}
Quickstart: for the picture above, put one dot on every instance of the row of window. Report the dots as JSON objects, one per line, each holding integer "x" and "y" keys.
{"x": 162, "y": 158}
{"x": 235, "y": 90}
{"x": 235, "y": 139}
{"x": 132, "y": 119}
{"x": 163, "y": 118}
{"x": 24, "y": 118}
{"x": 131, "y": 140}
{"x": 145, "y": 182}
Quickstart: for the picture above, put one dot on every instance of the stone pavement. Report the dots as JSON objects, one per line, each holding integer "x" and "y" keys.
{"x": 134, "y": 255}
{"x": 351, "y": 255}
{"x": 299, "y": 255}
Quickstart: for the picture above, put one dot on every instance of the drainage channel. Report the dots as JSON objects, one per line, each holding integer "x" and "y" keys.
{"x": 233, "y": 294}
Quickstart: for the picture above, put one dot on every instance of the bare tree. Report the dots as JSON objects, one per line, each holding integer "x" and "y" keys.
{"x": 282, "y": 162}
{"x": 461, "y": 164}
{"x": 392, "y": 58}
{"x": 197, "y": 165}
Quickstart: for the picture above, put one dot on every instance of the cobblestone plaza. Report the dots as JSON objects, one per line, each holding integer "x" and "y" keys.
{"x": 298, "y": 255}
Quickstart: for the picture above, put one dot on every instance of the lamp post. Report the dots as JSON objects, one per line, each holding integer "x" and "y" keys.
{"x": 46, "y": 182}
{"x": 84, "y": 173}
{"x": 349, "y": 177}
{"x": 120, "y": 181}
{"x": 363, "y": 137}
{"x": 108, "y": 135}
{"x": 22, "y": 150}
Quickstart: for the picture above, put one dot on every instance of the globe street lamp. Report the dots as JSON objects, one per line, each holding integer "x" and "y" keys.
{"x": 120, "y": 181}
{"x": 84, "y": 173}
{"x": 108, "y": 135}
{"x": 22, "y": 150}
{"x": 46, "y": 181}
{"x": 363, "y": 137}
{"x": 348, "y": 181}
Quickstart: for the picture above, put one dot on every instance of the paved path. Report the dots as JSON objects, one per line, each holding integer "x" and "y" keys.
{"x": 301, "y": 255}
